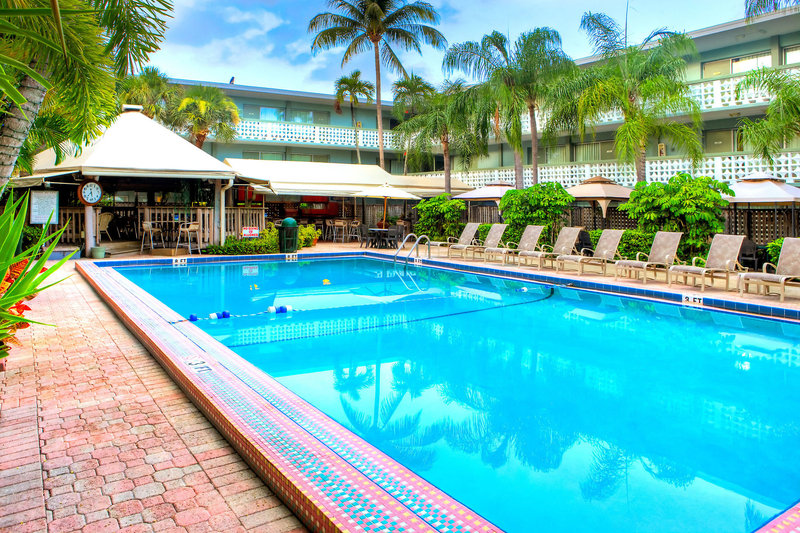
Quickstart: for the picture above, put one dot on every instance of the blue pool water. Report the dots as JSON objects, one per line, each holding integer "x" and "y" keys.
{"x": 552, "y": 409}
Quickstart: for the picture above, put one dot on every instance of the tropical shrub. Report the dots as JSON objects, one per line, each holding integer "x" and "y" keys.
{"x": 440, "y": 217}
{"x": 544, "y": 204}
{"x": 692, "y": 205}
{"x": 307, "y": 235}
{"x": 774, "y": 250}
{"x": 23, "y": 273}
{"x": 266, "y": 243}
{"x": 483, "y": 231}
{"x": 632, "y": 242}
{"x": 30, "y": 236}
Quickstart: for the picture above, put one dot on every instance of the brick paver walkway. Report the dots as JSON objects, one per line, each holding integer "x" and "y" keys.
{"x": 94, "y": 436}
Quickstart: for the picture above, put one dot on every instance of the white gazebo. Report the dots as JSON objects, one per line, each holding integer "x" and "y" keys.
{"x": 763, "y": 189}
{"x": 135, "y": 146}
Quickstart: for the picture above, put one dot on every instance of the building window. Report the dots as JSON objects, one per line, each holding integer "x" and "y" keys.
{"x": 316, "y": 158}
{"x": 267, "y": 156}
{"x": 791, "y": 55}
{"x": 736, "y": 65}
{"x": 257, "y": 112}
{"x": 596, "y": 151}
{"x": 719, "y": 141}
{"x": 555, "y": 155}
{"x": 303, "y": 116}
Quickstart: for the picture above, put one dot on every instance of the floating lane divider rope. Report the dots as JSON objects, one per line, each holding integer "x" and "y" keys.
{"x": 271, "y": 310}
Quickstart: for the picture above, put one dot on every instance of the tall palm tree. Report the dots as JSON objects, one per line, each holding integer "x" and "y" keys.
{"x": 410, "y": 94}
{"x": 522, "y": 74}
{"x": 380, "y": 25}
{"x": 352, "y": 88}
{"x": 98, "y": 40}
{"x": 208, "y": 111}
{"x": 451, "y": 119}
{"x": 150, "y": 88}
{"x": 644, "y": 82}
{"x": 782, "y": 121}
{"x": 753, "y": 8}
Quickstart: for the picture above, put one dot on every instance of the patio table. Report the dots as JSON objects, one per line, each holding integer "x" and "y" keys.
{"x": 379, "y": 236}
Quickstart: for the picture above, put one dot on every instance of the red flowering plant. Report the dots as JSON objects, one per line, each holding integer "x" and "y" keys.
{"x": 22, "y": 272}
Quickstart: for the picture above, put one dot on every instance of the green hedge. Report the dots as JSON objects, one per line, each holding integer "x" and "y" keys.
{"x": 632, "y": 242}
{"x": 266, "y": 243}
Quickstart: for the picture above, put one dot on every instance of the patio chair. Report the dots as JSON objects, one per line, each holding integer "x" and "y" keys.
{"x": 148, "y": 231}
{"x": 103, "y": 222}
{"x": 493, "y": 240}
{"x": 788, "y": 268}
{"x": 394, "y": 236}
{"x": 186, "y": 230}
{"x": 366, "y": 239}
{"x": 565, "y": 245}
{"x": 722, "y": 260}
{"x": 529, "y": 242}
{"x": 603, "y": 253}
{"x": 662, "y": 255}
{"x": 467, "y": 236}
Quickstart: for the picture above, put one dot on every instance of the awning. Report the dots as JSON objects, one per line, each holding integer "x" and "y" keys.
{"x": 332, "y": 179}
{"x": 135, "y": 146}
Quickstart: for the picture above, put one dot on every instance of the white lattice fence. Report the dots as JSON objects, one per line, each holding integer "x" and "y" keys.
{"x": 256, "y": 130}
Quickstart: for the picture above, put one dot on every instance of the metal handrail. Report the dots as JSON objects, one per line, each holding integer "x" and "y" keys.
{"x": 416, "y": 243}
{"x": 402, "y": 245}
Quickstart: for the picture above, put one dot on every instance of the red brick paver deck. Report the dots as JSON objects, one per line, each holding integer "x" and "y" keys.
{"x": 95, "y": 437}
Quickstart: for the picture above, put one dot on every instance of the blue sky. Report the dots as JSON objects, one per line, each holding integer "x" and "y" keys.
{"x": 265, "y": 43}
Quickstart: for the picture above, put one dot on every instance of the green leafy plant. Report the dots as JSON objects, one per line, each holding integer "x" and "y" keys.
{"x": 632, "y": 242}
{"x": 266, "y": 243}
{"x": 544, "y": 204}
{"x": 692, "y": 205}
{"x": 774, "y": 250}
{"x": 23, "y": 273}
{"x": 307, "y": 235}
{"x": 440, "y": 217}
{"x": 483, "y": 231}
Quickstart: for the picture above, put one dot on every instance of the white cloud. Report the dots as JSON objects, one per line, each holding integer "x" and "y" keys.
{"x": 266, "y": 21}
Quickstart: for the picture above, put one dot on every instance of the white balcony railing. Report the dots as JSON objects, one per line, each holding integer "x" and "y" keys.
{"x": 293, "y": 133}
{"x": 728, "y": 168}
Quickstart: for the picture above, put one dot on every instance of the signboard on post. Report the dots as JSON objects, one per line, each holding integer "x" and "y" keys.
{"x": 44, "y": 204}
{"x": 249, "y": 232}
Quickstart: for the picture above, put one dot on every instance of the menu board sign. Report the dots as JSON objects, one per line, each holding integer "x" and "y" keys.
{"x": 43, "y": 205}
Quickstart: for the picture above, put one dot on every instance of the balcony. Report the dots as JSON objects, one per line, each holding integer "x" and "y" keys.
{"x": 311, "y": 134}
{"x": 728, "y": 168}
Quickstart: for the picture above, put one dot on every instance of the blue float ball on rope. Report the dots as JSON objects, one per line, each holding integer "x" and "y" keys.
{"x": 192, "y": 318}
{"x": 282, "y": 309}
{"x": 226, "y": 314}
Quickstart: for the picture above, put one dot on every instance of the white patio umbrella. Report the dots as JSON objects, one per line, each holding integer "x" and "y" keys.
{"x": 492, "y": 191}
{"x": 386, "y": 191}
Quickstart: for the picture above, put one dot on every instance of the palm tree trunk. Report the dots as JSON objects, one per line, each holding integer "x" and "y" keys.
{"x": 378, "y": 102}
{"x": 534, "y": 144}
{"x": 405, "y": 159}
{"x": 200, "y": 139}
{"x": 446, "y": 153}
{"x": 355, "y": 126}
{"x": 518, "y": 183}
{"x": 641, "y": 165}
{"x": 17, "y": 122}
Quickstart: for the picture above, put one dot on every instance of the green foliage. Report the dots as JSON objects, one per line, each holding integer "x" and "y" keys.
{"x": 774, "y": 250}
{"x": 439, "y": 217}
{"x": 266, "y": 243}
{"x": 544, "y": 204}
{"x": 307, "y": 234}
{"x": 685, "y": 203}
{"x": 30, "y": 236}
{"x": 483, "y": 231}
{"x": 632, "y": 242}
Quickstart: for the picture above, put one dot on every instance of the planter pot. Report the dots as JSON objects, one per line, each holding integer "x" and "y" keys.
{"x": 98, "y": 252}
{"x": 314, "y": 242}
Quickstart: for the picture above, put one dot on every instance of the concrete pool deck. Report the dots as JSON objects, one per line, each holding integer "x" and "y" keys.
{"x": 87, "y": 417}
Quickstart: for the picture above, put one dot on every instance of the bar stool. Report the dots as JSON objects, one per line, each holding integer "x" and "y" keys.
{"x": 354, "y": 231}
{"x": 330, "y": 230}
{"x": 187, "y": 228}
{"x": 148, "y": 231}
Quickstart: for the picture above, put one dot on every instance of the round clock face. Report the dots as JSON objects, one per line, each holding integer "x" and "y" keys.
{"x": 90, "y": 192}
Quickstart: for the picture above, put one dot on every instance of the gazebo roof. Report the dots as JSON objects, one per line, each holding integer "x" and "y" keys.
{"x": 599, "y": 188}
{"x": 763, "y": 188}
{"x": 135, "y": 145}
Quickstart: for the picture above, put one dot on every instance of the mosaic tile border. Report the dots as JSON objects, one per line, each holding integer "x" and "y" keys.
{"x": 299, "y": 412}
{"x": 309, "y": 460}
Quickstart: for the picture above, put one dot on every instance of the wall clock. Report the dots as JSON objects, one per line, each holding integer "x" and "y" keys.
{"x": 90, "y": 192}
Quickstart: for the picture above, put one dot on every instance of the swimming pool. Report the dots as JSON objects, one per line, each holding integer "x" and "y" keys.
{"x": 541, "y": 406}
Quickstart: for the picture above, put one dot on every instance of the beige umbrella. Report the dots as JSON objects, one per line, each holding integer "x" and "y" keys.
{"x": 492, "y": 191}
{"x": 386, "y": 191}
{"x": 601, "y": 190}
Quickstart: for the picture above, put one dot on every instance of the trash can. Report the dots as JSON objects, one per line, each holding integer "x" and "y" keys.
{"x": 287, "y": 236}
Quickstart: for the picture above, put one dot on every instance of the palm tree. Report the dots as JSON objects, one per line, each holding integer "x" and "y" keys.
{"x": 97, "y": 40}
{"x": 782, "y": 121}
{"x": 381, "y": 25}
{"x": 351, "y": 88}
{"x": 644, "y": 82}
{"x": 410, "y": 93}
{"x": 208, "y": 111}
{"x": 450, "y": 118}
{"x": 520, "y": 75}
{"x": 753, "y": 8}
{"x": 150, "y": 89}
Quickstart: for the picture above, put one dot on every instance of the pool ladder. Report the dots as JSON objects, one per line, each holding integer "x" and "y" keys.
{"x": 417, "y": 241}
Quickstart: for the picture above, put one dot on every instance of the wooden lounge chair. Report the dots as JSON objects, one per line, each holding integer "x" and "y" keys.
{"x": 565, "y": 245}
{"x": 604, "y": 252}
{"x": 788, "y": 268}
{"x": 723, "y": 259}
{"x": 662, "y": 255}
{"x": 467, "y": 236}
{"x": 529, "y": 242}
{"x": 493, "y": 239}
